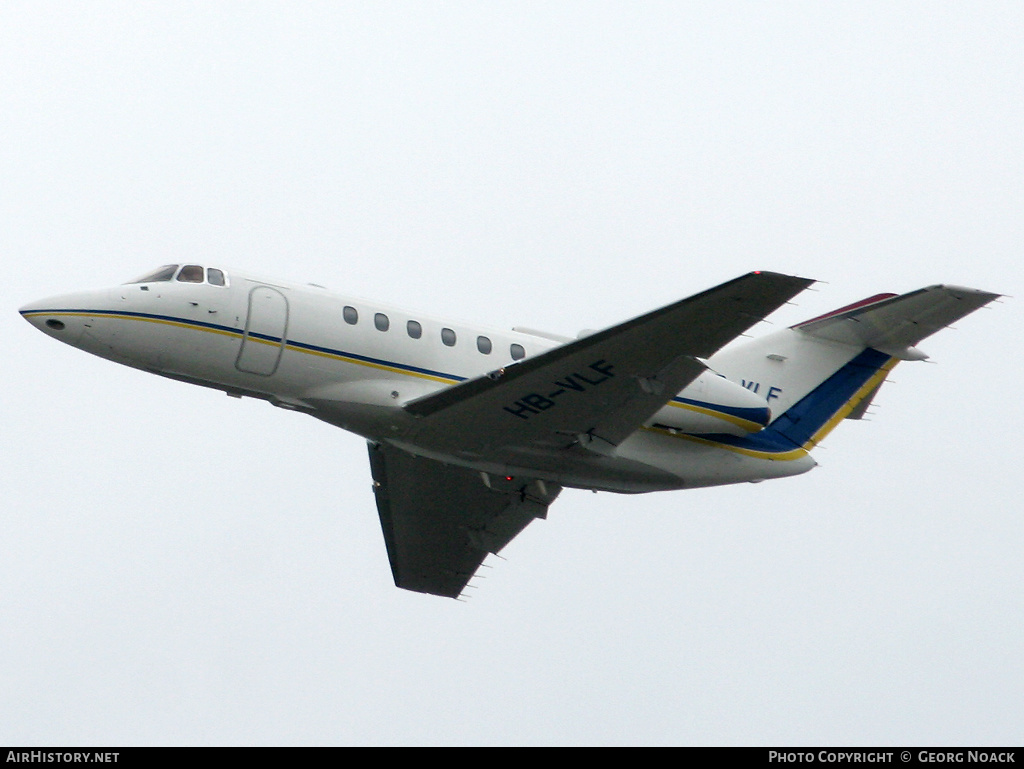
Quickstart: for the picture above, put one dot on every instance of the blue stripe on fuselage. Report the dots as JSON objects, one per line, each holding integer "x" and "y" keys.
{"x": 757, "y": 416}
{"x": 799, "y": 425}
{"x": 217, "y": 328}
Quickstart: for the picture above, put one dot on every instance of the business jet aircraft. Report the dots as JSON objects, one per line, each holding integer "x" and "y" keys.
{"x": 473, "y": 432}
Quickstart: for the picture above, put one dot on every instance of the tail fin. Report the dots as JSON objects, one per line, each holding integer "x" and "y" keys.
{"x": 818, "y": 372}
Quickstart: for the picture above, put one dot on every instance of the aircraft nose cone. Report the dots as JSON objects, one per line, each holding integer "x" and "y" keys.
{"x": 34, "y": 313}
{"x": 54, "y": 317}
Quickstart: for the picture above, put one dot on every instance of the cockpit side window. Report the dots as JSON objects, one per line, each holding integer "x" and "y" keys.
{"x": 157, "y": 276}
{"x": 215, "y": 277}
{"x": 191, "y": 273}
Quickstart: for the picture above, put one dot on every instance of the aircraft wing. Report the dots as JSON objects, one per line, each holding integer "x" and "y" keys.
{"x": 599, "y": 389}
{"x": 441, "y": 521}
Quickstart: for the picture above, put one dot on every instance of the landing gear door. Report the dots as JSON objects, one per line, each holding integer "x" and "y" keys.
{"x": 266, "y": 330}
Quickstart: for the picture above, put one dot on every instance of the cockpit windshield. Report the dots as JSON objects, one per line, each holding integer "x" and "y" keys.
{"x": 189, "y": 273}
{"x": 164, "y": 273}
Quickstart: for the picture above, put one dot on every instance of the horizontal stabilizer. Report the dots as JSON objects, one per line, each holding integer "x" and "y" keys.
{"x": 895, "y": 324}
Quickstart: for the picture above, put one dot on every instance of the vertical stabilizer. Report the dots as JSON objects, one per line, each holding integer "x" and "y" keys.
{"x": 821, "y": 371}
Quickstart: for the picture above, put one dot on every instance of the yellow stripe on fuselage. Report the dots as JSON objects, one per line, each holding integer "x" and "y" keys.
{"x": 874, "y": 381}
{"x": 744, "y": 424}
{"x": 777, "y": 456}
{"x": 238, "y": 333}
{"x": 161, "y": 321}
{"x": 368, "y": 364}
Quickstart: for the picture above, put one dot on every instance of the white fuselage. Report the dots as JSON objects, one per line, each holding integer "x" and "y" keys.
{"x": 355, "y": 363}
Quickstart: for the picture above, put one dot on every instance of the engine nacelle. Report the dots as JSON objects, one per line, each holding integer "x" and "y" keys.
{"x": 713, "y": 404}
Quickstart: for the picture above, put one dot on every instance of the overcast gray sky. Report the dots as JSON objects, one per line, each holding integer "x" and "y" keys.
{"x": 183, "y": 568}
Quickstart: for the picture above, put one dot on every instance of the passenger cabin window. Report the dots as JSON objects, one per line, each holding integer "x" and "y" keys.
{"x": 518, "y": 353}
{"x": 191, "y": 273}
{"x": 414, "y": 328}
{"x": 483, "y": 344}
{"x": 351, "y": 315}
{"x": 380, "y": 320}
{"x": 448, "y": 337}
